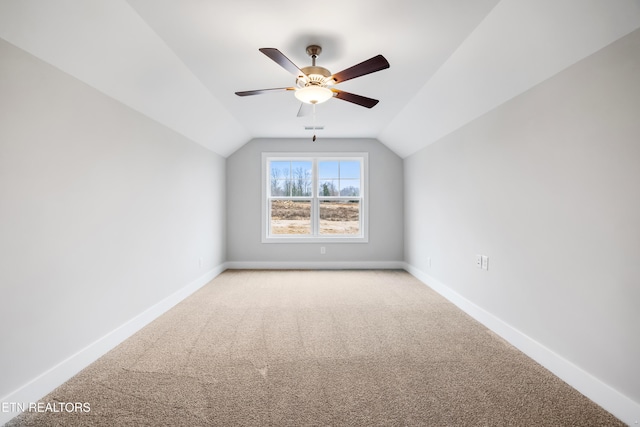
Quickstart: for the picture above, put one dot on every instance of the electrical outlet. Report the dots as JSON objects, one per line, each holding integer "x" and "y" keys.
{"x": 479, "y": 261}
{"x": 485, "y": 262}
{"x": 323, "y": 250}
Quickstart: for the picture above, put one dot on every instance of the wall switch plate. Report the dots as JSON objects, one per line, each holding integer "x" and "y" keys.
{"x": 323, "y": 250}
{"x": 485, "y": 262}
{"x": 479, "y": 261}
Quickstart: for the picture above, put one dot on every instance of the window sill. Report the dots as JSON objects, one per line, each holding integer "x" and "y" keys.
{"x": 293, "y": 239}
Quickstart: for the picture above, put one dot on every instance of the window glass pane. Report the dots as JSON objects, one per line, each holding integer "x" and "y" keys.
{"x": 301, "y": 179}
{"x": 340, "y": 217}
{"x": 349, "y": 187}
{"x": 290, "y": 217}
{"x": 328, "y": 188}
{"x": 287, "y": 187}
{"x": 278, "y": 187}
{"x": 328, "y": 170}
{"x": 279, "y": 170}
{"x": 302, "y": 164}
{"x": 349, "y": 169}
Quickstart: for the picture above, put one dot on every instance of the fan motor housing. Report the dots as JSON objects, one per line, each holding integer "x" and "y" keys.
{"x": 316, "y": 70}
{"x": 315, "y": 76}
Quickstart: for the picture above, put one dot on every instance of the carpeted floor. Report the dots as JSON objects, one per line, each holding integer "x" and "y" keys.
{"x": 317, "y": 348}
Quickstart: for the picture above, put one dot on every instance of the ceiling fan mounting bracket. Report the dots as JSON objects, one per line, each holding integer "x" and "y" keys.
{"x": 314, "y": 50}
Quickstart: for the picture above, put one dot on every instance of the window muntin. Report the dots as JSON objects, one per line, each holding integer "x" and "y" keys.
{"x": 314, "y": 197}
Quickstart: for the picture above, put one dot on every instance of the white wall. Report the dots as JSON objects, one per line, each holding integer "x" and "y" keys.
{"x": 103, "y": 214}
{"x": 244, "y": 178}
{"x": 548, "y": 186}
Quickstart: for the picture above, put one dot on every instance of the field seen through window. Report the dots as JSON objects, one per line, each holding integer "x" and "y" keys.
{"x": 337, "y": 217}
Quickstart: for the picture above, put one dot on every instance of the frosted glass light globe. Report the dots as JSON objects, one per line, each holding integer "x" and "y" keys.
{"x": 313, "y": 94}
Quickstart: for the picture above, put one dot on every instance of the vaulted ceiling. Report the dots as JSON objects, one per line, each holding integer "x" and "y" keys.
{"x": 180, "y": 62}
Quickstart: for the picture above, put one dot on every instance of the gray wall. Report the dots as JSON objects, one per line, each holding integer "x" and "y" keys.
{"x": 103, "y": 213}
{"x": 548, "y": 186}
{"x": 244, "y": 181}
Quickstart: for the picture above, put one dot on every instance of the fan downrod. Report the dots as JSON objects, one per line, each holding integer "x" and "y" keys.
{"x": 316, "y": 73}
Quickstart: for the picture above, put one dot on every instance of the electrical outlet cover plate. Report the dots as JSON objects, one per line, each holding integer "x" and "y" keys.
{"x": 485, "y": 262}
{"x": 479, "y": 261}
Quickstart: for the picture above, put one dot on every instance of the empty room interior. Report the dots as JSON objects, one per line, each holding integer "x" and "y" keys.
{"x": 366, "y": 212}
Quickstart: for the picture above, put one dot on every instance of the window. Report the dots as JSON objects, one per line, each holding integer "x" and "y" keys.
{"x": 314, "y": 197}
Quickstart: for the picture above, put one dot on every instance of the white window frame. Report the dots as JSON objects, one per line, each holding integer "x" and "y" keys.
{"x": 315, "y": 237}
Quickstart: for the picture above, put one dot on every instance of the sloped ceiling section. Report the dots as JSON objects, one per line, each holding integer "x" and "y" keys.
{"x": 107, "y": 45}
{"x": 520, "y": 44}
{"x": 180, "y": 62}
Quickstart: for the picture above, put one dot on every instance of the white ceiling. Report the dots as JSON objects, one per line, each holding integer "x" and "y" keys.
{"x": 180, "y": 61}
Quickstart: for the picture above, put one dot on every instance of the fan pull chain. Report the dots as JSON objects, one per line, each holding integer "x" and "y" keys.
{"x": 314, "y": 123}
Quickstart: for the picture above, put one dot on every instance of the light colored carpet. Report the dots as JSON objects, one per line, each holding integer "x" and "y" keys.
{"x": 318, "y": 348}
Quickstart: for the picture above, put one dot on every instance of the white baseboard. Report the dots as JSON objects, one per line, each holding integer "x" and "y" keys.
{"x": 315, "y": 265}
{"x": 63, "y": 371}
{"x": 627, "y": 410}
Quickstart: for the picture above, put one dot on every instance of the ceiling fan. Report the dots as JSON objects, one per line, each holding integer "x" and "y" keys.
{"x": 314, "y": 84}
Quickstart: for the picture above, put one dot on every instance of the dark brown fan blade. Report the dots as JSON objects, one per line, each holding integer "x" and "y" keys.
{"x": 305, "y": 109}
{"x": 369, "y": 66}
{"x": 282, "y": 60}
{"x": 356, "y": 99}
{"x": 260, "y": 91}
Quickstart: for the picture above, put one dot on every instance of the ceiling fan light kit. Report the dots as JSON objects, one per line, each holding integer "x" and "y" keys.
{"x": 313, "y": 94}
{"x": 313, "y": 83}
